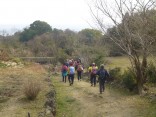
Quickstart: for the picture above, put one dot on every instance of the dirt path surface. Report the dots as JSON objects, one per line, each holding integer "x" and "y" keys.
{"x": 90, "y": 103}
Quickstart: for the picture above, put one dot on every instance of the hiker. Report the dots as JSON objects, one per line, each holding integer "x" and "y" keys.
{"x": 64, "y": 71}
{"x": 79, "y": 71}
{"x": 79, "y": 60}
{"x": 71, "y": 72}
{"x": 67, "y": 63}
{"x": 89, "y": 72}
{"x": 72, "y": 62}
{"x": 76, "y": 65}
{"x": 94, "y": 69}
{"x": 103, "y": 74}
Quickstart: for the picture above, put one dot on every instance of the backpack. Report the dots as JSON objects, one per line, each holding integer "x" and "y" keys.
{"x": 102, "y": 74}
{"x": 71, "y": 70}
{"x": 80, "y": 68}
{"x": 94, "y": 70}
{"x": 64, "y": 68}
{"x": 76, "y": 66}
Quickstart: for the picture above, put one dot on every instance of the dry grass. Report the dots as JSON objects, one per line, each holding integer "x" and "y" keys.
{"x": 122, "y": 62}
{"x": 32, "y": 89}
{"x": 13, "y": 101}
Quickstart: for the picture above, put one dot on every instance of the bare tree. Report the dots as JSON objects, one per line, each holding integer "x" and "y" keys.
{"x": 132, "y": 22}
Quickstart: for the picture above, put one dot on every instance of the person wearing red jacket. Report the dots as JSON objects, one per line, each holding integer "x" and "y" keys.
{"x": 64, "y": 71}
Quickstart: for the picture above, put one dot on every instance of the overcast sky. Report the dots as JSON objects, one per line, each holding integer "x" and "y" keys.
{"x": 60, "y": 14}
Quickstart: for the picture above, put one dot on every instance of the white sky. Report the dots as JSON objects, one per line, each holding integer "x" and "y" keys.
{"x": 60, "y": 14}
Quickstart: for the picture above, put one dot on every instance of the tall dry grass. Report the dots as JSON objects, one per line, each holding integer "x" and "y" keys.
{"x": 31, "y": 89}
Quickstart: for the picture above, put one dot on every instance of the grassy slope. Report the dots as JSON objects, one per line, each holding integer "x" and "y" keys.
{"x": 122, "y": 62}
{"x": 11, "y": 88}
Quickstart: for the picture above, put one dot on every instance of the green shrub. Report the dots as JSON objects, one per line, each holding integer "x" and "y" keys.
{"x": 115, "y": 74}
{"x": 3, "y": 99}
{"x": 129, "y": 80}
{"x": 99, "y": 59}
{"x": 31, "y": 89}
{"x": 17, "y": 60}
{"x": 151, "y": 73}
{"x": 2, "y": 64}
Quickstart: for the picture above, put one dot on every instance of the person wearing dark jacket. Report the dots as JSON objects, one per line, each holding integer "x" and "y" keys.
{"x": 103, "y": 74}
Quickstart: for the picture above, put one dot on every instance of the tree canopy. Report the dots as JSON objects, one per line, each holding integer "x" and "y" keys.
{"x": 36, "y": 28}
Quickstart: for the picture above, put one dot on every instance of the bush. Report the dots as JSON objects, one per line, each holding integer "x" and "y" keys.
{"x": 99, "y": 59}
{"x": 129, "y": 80}
{"x": 2, "y": 64}
{"x": 17, "y": 60}
{"x": 31, "y": 89}
{"x": 115, "y": 74}
{"x": 4, "y": 55}
{"x": 151, "y": 73}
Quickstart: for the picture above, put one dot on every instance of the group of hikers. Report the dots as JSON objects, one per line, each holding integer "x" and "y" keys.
{"x": 71, "y": 67}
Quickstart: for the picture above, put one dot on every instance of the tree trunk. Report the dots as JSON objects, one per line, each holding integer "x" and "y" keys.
{"x": 143, "y": 68}
{"x": 139, "y": 85}
{"x": 139, "y": 76}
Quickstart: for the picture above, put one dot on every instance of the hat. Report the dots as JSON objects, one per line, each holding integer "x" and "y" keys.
{"x": 93, "y": 63}
{"x": 102, "y": 65}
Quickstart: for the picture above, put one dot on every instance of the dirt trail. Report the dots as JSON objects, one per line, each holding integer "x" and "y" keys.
{"x": 93, "y": 104}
